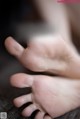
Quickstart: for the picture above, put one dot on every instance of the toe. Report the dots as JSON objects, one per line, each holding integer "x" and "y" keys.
{"x": 40, "y": 115}
{"x": 47, "y": 117}
{"x": 29, "y": 110}
{"x": 22, "y": 80}
{"x": 22, "y": 100}
{"x": 13, "y": 47}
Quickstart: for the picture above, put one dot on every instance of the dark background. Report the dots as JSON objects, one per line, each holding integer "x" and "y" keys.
{"x": 12, "y": 12}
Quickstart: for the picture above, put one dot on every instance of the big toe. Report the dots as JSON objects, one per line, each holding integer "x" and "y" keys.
{"x": 13, "y": 47}
{"x": 22, "y": 80}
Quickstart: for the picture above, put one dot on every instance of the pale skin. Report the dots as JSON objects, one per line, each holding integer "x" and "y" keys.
{"x": 56, "y": 55}
{"x": 59, "y": 91}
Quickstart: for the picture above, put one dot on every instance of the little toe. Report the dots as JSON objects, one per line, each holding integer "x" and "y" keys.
{"x": 22, "y": 80}
{"x": 29, "y": 110}
{"x": 22, "y": 100}
{"x": 39, "y": 115}
{"x": 47, "y": 117}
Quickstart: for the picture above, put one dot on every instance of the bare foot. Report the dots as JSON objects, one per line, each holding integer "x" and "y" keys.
{"x": 47, "y": 54}
{"x": 52, "y": 95}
